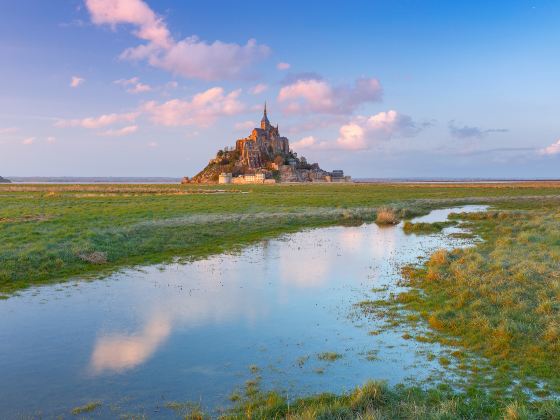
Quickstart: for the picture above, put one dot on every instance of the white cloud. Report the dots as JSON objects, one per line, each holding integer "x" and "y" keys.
{"x": 153, "y": 144}
{"x": 315, "y": 95}
{"x": 190, "y": 57}
{"x": 120, "y": 132}
{"x": 51, "y": 140}
{"x": 76, "y": 81}
{"x": 283, "y": 66}
{"x": 139, "y": 88}
{"x": 28, "y": 141}
{"x": 362, "y": 132}
{"x": 133, "y": 85}
{"x": 245, "y": 125}
{"x": 553, "y": 149}
{"x": 259, "y": 88}
{"x": 202, "y": 110}
{"x": 98, "y": 122}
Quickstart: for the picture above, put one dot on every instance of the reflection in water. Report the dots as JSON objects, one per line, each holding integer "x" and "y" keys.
{"x": 189, "y": 332}
{"x": 222, "y": 299}
{"x": 121, "y": 352}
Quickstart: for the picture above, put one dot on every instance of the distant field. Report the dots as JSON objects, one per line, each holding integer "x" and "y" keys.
{"x": 497, "y": 303}
{"x": 52, "y": 232}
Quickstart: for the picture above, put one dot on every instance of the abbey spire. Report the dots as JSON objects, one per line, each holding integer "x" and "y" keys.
{"x": 265, "y": 124}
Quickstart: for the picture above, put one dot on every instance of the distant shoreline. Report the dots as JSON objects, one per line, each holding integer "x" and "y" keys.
{"x": 172, "y": 180}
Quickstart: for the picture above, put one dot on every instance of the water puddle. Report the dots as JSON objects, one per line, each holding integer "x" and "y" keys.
{"x": 190, "y": 332}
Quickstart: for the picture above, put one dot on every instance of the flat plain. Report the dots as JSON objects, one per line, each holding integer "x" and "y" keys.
{"x": 496, "y": 301}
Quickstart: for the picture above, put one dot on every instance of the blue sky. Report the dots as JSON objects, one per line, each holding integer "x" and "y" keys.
{"x": 378, "y": 88}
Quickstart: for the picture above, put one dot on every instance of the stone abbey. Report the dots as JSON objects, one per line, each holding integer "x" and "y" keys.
{"x": 262, "y": 145}
{"x": 264, "y": 156}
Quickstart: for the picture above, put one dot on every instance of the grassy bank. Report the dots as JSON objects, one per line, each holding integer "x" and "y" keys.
{"x": 52, "y": 232}
{"x": 375, "y": 400}
{"x": 499, "y": 300}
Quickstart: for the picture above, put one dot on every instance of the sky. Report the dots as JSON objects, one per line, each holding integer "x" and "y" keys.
{"x": 384, "y": 89}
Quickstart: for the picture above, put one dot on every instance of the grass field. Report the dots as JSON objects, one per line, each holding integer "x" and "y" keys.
{"x": 52, "y": 232}
{"x": 498, "y": 302}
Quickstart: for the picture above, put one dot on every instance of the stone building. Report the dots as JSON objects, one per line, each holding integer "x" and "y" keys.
{"x": 224, "y": 178}
{"x": 262, "y": 145}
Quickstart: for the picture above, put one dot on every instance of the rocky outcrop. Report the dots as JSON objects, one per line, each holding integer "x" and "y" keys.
{"x": 4, "y": 180}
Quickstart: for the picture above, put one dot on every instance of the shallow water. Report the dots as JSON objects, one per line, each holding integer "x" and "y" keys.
{"x": 190, "y": 332}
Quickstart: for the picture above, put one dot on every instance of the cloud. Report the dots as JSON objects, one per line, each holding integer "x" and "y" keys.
{"x": 121, "y": 132}
{"x": 190, "y": 57}
{"x": 202, "y": 110}
{"x": 311, "y": 142}
{"x": 28, "y": 141}
{"x": 51, "y": 140}
{"x": 466, "y": 131}
{"x": 133, "y": 85}
{"x": 259, "y": 88}
{"x": 312, "y": 95}
{"x": 283, "y": 66}
{"x": 153, "y": 144}
{"x": 362, "y": 132}
{"x": 552, "y": 150}
{"x": 245, "y": 125}
{"x": 98, "y": 122}
{"x": 9, "y": 130}
{"x": 76, "y": 81}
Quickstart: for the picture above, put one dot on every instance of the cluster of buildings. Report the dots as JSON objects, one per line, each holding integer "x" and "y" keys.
{"x": 263, "y": 157}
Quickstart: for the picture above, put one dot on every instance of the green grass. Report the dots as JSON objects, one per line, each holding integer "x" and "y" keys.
{"x": 329, "y": 356}
{"x": 86, "y": 408}
{"x": 424, "y": 228}
{"x": 50, "y": 233}
{"x": 499, "y": 300}
{"x": 376, "y": 400}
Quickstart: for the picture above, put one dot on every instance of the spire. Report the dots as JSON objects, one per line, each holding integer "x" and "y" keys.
{"x": 265, "y": 124}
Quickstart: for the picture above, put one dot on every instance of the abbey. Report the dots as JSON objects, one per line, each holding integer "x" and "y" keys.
{"x": 263, "y": 157}
{"x": 262, "y": 145}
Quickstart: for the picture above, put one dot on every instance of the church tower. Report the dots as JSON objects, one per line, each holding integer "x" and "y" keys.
{"x": 265, "y": 124}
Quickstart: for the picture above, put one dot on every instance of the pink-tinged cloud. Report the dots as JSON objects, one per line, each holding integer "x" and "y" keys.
{"x": 190, "y": 57}
{"x": 9, "y": 130}
{"x": 363, "y": 132}
{"x": 98, "y": 122}
{"x": 283, "y": 66}
{"x": 76, "y": 81}
{"x": 28, "y": 141}
{"x": 553, "y": 149}
{"x": 258, "y": 89}
{"x": 318, "y": 96}
{"x": 202, "y": 110}
{"x": 352, "y": 137}
{"x": 134, "y": 85}
{"x": 150, "y": 27}
{"x": 311, "y": 142}
{"x": 120, "y": 132}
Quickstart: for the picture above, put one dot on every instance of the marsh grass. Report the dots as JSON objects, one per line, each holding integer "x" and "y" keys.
{"x": 376, "y": 400}
{"x": 426, "y": 228}
{"x": 499, "y": 300}
{"x": 45, "y": 228}
{"x": 386, "y": 216}
{"x": 329, "y": 356}
{"x": 86, "y": 408}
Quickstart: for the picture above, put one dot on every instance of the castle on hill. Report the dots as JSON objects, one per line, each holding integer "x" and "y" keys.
{"x": 262, "y": 145}
{"x": 264, "y": 156}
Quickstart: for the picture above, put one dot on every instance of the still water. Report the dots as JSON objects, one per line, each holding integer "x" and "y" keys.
{"x": 190, "y": 332}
